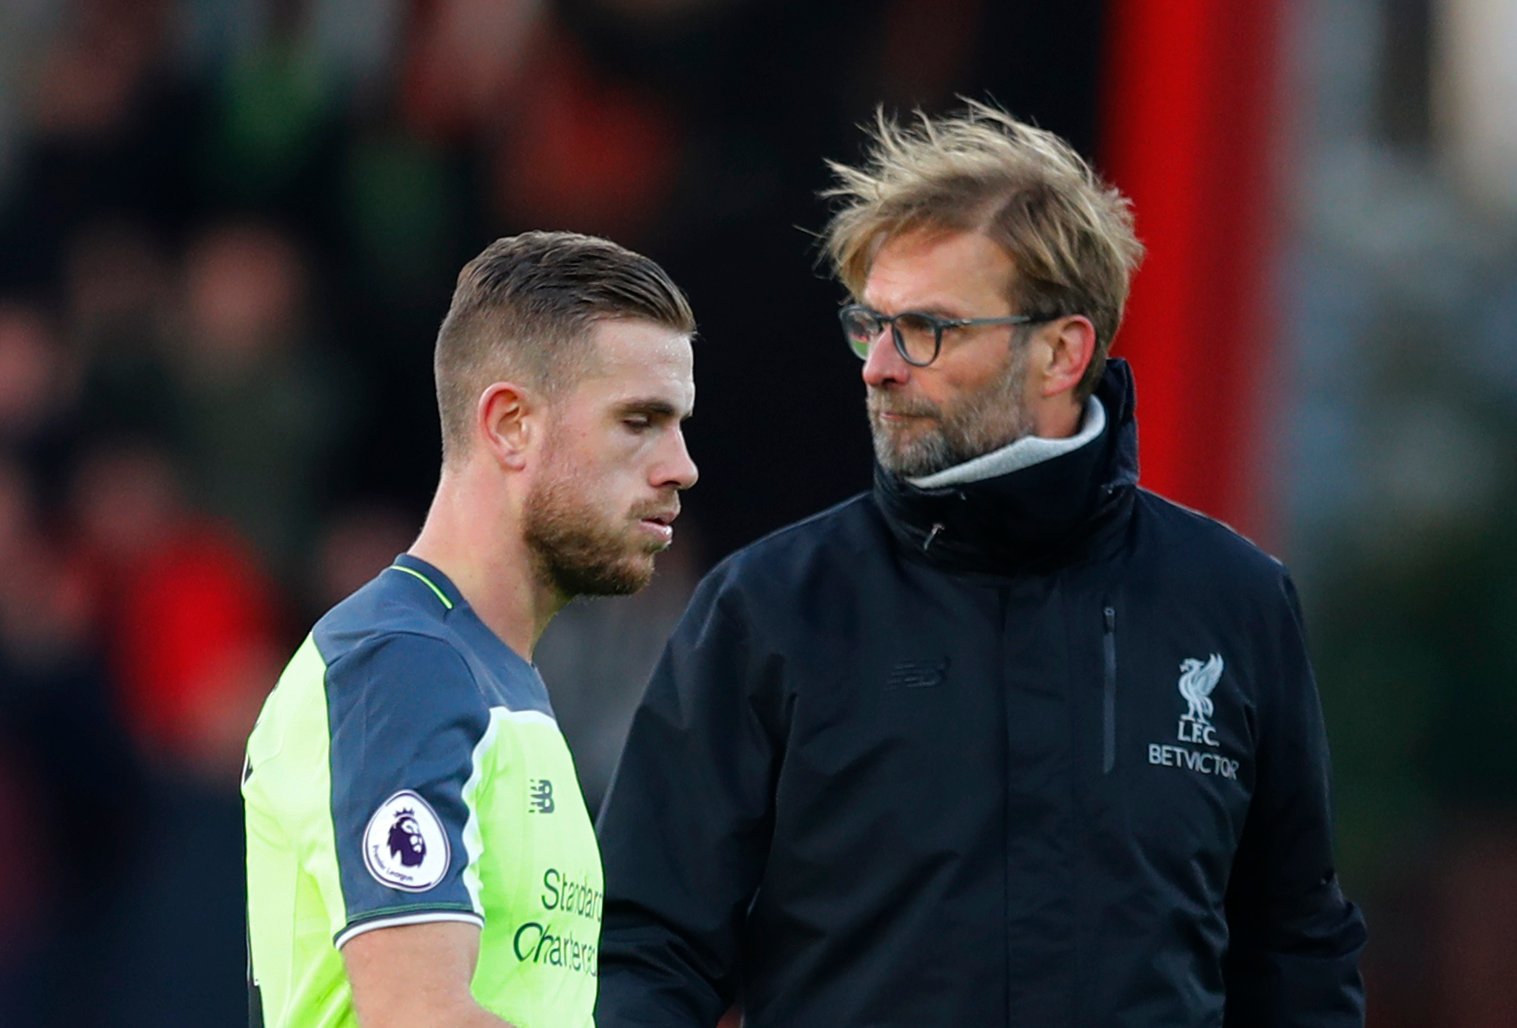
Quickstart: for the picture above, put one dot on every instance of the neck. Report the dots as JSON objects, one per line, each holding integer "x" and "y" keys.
{"x": 487, "y": 558}
{"x": 1058, "y": 417}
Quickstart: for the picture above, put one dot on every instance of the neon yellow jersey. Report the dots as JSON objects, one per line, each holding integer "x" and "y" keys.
{"x": 407, "y": 768}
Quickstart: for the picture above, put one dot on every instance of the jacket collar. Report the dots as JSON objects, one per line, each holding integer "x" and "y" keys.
{"x": 1036, "y": 516}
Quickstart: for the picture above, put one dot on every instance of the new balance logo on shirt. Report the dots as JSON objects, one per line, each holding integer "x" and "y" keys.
{"x": 542, "y": 796}
{"x": 917, "y": 674}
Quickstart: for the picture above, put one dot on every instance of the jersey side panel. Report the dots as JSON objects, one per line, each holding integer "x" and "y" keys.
{"x": 298, "y": 974}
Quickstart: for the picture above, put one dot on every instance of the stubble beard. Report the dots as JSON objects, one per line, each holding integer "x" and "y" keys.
{"x": 977, "y": 425}
{"x": 576, "y": 549}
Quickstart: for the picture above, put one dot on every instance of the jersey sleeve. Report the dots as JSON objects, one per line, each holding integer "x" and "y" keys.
{"x": 406, "y": 722}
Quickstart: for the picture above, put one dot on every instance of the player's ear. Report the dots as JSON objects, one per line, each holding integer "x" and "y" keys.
{"x": 505, "y": 425}
{"x": 1071, "y": 344}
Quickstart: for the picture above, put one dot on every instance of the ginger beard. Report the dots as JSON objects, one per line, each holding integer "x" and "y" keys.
{"x": 577, "y": 546}
{"x": 940, "y": 436}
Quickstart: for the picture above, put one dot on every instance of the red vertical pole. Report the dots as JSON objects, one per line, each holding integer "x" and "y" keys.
{"x": 1189, "y": 123}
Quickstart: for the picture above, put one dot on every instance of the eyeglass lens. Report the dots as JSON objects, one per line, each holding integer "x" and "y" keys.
{"x": 914, "y": 333}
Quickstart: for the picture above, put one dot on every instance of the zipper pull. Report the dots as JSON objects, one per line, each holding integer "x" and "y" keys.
{"x": 936, "y": 528}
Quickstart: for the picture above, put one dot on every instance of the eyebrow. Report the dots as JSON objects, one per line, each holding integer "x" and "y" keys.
{"x": 653, "y": 407}
{"x": 937, "y": 310}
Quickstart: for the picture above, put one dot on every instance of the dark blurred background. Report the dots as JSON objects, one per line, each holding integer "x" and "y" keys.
{"x": 228, "y": 232}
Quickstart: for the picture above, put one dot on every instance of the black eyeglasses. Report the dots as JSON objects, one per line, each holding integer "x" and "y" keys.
{"x": 918, "y": 336}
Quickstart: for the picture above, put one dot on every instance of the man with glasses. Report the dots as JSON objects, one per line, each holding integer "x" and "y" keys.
{"x": 1007, "y": 740}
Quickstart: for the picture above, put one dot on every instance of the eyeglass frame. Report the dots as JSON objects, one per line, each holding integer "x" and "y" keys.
{"x": 938, "y": 326}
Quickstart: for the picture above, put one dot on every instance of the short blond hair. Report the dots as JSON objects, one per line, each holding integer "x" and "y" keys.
{"x": 525, "y": 307}
{"x": 1069, "y": 234}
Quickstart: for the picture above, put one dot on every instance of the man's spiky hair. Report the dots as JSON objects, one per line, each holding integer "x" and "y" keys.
{"x": 1069, "y": 234}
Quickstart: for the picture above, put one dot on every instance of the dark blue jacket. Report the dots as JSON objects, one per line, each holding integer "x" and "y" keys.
{"x": 1041, "y": 750}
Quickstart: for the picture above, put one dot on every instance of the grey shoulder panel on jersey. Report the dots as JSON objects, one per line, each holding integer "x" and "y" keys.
{"x": 405, "y": 717}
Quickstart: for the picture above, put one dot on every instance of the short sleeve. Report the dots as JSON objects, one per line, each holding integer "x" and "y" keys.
{"x": 406, "y": 720}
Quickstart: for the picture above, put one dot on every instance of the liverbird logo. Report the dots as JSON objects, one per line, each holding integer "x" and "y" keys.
{"x": 1197, "y": 680}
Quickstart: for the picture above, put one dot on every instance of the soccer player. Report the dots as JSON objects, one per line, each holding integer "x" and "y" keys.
{"x": 418, "y": 851}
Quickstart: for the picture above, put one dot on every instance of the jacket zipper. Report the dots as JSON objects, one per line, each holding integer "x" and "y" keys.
{"x": 1109, "y": 693}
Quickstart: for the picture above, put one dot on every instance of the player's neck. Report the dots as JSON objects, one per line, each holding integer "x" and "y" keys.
{"x": 473, "y": 536}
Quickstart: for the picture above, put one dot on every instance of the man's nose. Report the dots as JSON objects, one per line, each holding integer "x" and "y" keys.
{"x": 884, "y": 364}
{"x": 678, "y": 467}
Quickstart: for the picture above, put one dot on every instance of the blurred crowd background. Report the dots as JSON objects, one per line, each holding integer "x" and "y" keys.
{"x": 228, "y": 231}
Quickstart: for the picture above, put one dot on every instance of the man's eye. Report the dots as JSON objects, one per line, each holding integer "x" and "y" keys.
{"x": 638, "y": 424}
{"x": 913, "y": 324}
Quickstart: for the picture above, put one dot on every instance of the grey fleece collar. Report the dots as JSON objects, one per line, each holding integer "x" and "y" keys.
{"x": 1023, "y": 453}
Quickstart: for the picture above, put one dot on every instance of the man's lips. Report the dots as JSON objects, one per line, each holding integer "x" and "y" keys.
{"x": 663, "y": 515}
{"x": 881, "y": 409}
{"x": 890, "y": 414}
{"x": 660, "y": 522}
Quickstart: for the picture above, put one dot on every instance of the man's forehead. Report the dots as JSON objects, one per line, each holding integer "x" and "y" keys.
{"x": 625, "y": 341}
{"x": 926, "y": 268}
{"x": 643, "y": 363}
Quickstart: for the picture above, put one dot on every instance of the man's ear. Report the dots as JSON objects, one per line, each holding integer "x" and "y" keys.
{"x": 1071, "y": 344}
{"x": 505, "y": 422}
